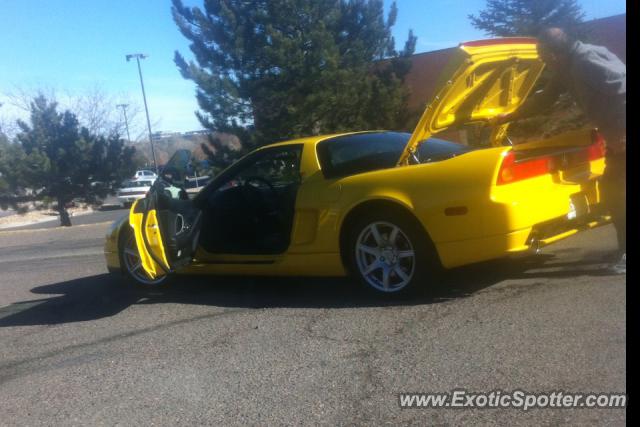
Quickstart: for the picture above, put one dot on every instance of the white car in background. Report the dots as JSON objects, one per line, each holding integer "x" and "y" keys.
{"x": 145, "y": 174}
{"x": 133, "y": 190}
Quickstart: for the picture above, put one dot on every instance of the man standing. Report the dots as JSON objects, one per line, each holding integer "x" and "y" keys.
{"x": 597, "y": 80}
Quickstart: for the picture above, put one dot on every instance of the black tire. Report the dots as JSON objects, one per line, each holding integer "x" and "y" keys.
{"x": 136, "y": 278}
{"x": 423, "y": 270}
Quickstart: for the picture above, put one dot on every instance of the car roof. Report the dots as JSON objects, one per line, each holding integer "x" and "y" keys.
{"x": 313, "y": 140}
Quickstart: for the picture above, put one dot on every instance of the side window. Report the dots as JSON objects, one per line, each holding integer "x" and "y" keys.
{"x": 279, "y": 166}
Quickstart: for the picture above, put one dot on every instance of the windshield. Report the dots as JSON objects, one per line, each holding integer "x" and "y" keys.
{"x": 365, "y": 152}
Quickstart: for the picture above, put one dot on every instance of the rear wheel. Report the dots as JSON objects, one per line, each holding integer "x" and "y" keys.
{"x": 390, "y": 254}
{"x": 132, "y": 264}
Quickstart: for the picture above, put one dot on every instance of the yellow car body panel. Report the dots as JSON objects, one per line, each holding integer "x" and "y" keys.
{"x": 468, "y": 217}
{"x": 112, "y": 244}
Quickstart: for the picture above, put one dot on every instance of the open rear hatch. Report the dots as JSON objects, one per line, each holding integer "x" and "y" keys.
{"x": 487, "y": 78}
{"x": 483, "y": 79}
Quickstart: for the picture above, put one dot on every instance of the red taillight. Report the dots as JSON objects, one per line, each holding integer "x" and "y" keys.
{"x": 512, "y": 170}
{"x": 597, "y": 149}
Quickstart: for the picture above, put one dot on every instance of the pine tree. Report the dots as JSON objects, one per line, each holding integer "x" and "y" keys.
{"x": 270, "y": 70}
{"x": 505, "y": 18}
{"x": 54, "y": 158}
{"x": 11, "y": 157}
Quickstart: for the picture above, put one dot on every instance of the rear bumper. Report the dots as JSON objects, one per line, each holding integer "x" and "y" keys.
{"x": 560, "y": 228}
{"x": 458, "y": 253}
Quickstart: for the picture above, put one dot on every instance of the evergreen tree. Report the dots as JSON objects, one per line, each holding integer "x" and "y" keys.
{"x": 505, "y": 18}
{"x": 11, "y": 157}
{"x": 54, "y": 158}
{"x": 270, "y": 70}
{"x": 221, "y": 154}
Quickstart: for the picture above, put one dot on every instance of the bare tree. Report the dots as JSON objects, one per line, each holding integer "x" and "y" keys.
{"x": 8, "y": 125}
{"x": 94, "y": 107}
{"x": 97, "y": 111}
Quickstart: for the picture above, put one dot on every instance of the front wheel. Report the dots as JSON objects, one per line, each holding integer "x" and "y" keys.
{"x": 389, "y": 253}
{"x": 132, "y": 264}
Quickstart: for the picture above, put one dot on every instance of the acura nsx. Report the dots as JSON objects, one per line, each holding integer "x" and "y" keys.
{"x": 391, "y": 209}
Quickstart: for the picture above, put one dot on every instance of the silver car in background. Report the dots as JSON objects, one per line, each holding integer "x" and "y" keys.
{"x": 133, "y": 190}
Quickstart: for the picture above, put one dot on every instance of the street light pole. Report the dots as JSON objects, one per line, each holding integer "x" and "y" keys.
{"x": 144, "y": 98}
{"x": 126, "y": 122}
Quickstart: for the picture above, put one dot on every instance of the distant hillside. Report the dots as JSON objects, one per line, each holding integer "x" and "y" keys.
{"x": 166, "y": 146}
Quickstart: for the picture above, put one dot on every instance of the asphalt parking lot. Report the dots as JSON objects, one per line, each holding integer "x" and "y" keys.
{"x": 79, "y": 348}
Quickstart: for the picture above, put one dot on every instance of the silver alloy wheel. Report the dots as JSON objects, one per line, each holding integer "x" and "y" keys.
{"x": 133, "y": 264}
{"x": 385, "y": 257}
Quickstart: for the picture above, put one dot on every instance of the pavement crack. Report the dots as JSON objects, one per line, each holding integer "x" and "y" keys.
{"x": 12, "y": 370}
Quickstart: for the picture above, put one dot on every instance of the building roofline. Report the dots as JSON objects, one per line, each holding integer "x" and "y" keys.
{"x": 596, "y": 20}
{"x": 604, "y": 18}
{"x": 429, "y": 52}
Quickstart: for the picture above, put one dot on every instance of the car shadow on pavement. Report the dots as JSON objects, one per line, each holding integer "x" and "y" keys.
{"x": 104, "y": 295}
{"x": 105, "y": 208}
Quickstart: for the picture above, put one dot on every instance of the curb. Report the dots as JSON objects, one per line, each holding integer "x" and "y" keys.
{"x": 53, "y": 217}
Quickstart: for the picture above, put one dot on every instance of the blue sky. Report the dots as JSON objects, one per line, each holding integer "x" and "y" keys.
{"x": 72, "y": 46}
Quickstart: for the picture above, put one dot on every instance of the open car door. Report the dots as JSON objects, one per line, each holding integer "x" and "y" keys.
{"x": 166, "y": 224}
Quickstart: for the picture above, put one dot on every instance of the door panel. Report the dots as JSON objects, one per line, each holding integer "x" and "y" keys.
{"x": 179, "y": 222}
{"x": 166, "y": 224}
{"x": 148, "y": 239}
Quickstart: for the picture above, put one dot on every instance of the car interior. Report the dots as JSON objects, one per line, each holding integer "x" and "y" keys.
{"x": 250, "y": 209}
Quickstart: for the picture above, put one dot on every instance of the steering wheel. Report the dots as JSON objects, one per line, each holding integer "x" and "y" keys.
{"x": 257, "y": 198}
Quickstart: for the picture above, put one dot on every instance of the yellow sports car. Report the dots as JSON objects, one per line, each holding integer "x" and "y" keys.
{"x": 392, "y": 209}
